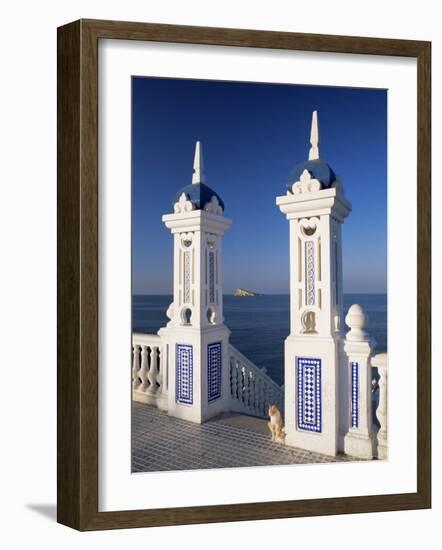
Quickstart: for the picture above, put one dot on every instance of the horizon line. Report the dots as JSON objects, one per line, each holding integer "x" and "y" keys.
{"x": 257, "y": 294}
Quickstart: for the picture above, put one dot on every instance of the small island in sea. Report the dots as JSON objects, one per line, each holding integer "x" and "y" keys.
{"x": 244, "y": 292}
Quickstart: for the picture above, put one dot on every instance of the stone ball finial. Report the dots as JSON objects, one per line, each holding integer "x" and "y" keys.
{"x": 356, "y": 319}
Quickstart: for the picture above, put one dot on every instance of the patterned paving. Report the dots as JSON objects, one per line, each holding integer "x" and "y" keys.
{"x": 161, "y": 442}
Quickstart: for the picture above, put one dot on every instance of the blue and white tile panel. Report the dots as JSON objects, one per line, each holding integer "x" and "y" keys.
{"x": 308, "y": 394}
{"x": 214, "y": 363}
{"x": 354, "y": 370}
{"x": 184, "y": 374}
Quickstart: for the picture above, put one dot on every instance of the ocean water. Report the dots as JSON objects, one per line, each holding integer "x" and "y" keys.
{"x": 259, "y": 324}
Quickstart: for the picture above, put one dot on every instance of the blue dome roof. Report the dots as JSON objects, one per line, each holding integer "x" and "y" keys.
{"x": 199, "y": 194}
{"x": 318, "y": 169}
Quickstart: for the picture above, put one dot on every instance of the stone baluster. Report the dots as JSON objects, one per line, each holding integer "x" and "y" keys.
{"x": 135, "y": 366}
{"x": 149, "y": 370}
{"x": 241, "y": 377}
{"x": 257, "y": 395}
{"x": 246, "y": 394}
{"x": 269, "y": 396}
{"x": 236, "y": 379}
{"x": 143, "y": 372}
{"x": 381, "y": 362}
{"x": 251, "y": 391}
{"x": 153, "y": 370}
{"x": 262, "y": 405}
{"x": 356, "y": 380}
{"x": 265, "y": 398}
{"x": 250, "y": 387}
{"x": 162, "y": 369}
{"x": 232, "y": 378}
{"x": 254, "y": 393}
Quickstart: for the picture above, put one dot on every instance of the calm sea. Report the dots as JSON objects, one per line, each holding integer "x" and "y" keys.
{"x": 259, "y": 324}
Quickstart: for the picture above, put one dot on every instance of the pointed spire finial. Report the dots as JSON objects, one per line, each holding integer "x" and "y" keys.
{"x": 314, "y": 138}
{"x": 198, "y": 166}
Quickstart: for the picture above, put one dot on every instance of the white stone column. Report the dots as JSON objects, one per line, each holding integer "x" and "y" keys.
{"x": 358, "y": 348}
{"x": 315, "y": 209}
{"x": 381, "y": 362}
{"x": 196, "y": 338}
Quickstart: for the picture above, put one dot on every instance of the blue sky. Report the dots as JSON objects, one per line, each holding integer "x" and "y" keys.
{"x": 253, "y": 135}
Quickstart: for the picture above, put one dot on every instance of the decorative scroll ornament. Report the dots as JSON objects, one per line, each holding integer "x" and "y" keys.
{"x": 186, "y": 277}
{"x": 310, "y": 273}
{"x": 183, "y": 205}
{"x": 213, "y": 206}
{"x": 306, "y": 184}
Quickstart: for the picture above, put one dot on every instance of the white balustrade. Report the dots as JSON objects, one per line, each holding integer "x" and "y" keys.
{"x": 380, "y": 361}
{"x": 251, "y": 388}
{"x": 356, "y": 389}
{"x": 358, "y": 384}
{"x": 149, "y": 370}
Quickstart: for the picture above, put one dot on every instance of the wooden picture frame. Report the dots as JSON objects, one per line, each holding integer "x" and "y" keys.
{"x": 77, "y": 226}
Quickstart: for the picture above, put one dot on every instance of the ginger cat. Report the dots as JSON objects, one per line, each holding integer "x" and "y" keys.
{"x": 276, "y": 425}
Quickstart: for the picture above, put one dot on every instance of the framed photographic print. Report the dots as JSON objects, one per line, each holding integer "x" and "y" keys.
{"x": 243, "y": 275}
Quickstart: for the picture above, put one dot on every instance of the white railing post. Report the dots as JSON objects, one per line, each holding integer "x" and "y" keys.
{"x": 358, "y": 348}
{"x": 380, "y": 361}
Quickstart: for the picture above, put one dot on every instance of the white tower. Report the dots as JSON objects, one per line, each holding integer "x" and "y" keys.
{"x": 197, "y": 340}
{"x": 315, "y": 207}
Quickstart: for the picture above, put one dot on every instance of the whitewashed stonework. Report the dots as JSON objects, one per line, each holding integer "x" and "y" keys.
{"x": 192, "y": 371}
{"x": 357, "y": 426}
{"x": 380, "y": 361}
{"x": 315, "y": 212}
{"x": 196, "y": 338}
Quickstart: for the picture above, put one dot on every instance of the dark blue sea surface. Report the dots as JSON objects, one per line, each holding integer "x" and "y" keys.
{"x": 259, "y": 324}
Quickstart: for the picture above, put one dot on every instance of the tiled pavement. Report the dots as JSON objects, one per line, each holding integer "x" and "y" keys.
{"x": 161, "y": 442}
